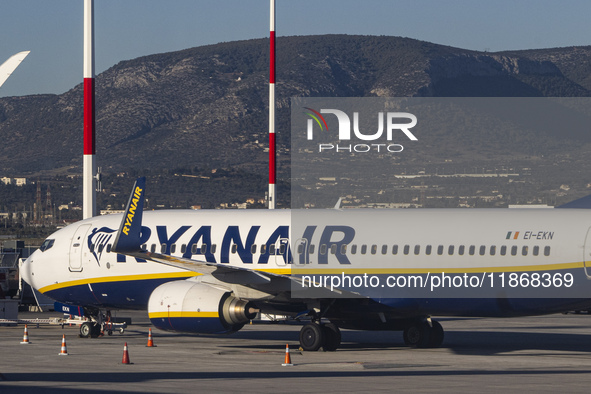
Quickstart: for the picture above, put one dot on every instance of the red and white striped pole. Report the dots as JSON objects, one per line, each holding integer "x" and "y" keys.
{"x": 272, "y": 163}
{"x": 89, "y": 165}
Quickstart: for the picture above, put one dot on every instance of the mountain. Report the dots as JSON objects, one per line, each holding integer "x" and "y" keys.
{"x": 207, "y": 106}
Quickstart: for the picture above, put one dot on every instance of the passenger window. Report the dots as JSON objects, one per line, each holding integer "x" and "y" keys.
{"x": 374, "y": 249}
{"x": 322, "y": 249}
{"x": 546, "y": 251}
{"x": 183, "y": 248}
{"x": 417, "y": 249}
{"x": 253, "y": 249}
{"x": 100, "y": 248}
{"x": 471, "y": 250}
{"x": 264, "y": 248}
{"x": 153, "y": 248}
{"x": 91, "y": 248}
{"x": 363, "y": 249}
{"x": 440, "y": 250}
{"x": 203, "y": 249}
{"x": 395, "y": 249}
{"x": 344, "y": 249}
{"x": 333, "y": 249}
{"x": 384, "y": 249}
{"x": 450, "y": 250}
{"x": 172, "y": 248}
{"x": 503, "y": 250}
{"x": 513, "y": 250}
{"x": 213, "y": 248}
{"x": 461, "y": 250}
{"x": 312, "y": 249}
{"x": 536, "y": 250}
{"x": 234, "y": 248}
{"x": 428, "y": 250}
{"x": 272, "y": 249}
{"x": 406, "y": 249}
{"x": 524, "y": 251}
{"x": 163, "y": 248}
{"x": 109, "y": 248}
{"x": 194, "y": 249}
{"x": 353, "y": 249}
{"x": 482, "y": 250}
{"x": 493, "y": 250}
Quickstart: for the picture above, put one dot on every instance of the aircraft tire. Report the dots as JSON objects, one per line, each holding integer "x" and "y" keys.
{"x": 436, "y": 334}
{"x": 85, "y": 330}
{"x": 95, "y": 330}
{"x": 332, "y": 336}
{"x": 417, "y": 335}
{"x": 312, "y": 337}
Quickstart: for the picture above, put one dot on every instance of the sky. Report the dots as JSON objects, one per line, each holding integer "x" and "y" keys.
{"x": 126, "y": 29}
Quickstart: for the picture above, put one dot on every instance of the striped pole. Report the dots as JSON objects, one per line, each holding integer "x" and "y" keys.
{"x": 272, "y": 163}
{"x": 89, "y": 165}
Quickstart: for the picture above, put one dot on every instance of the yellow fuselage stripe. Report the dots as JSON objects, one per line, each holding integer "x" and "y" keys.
{"x": 303, "y": 270}
{"x": 166, "y": 315}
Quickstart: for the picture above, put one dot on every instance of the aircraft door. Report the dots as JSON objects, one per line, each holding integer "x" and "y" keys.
{"x": 301, "y": 246}
{"x": 587, "y": 254}
{"x": 76, "y": 248}
{"x": 282, "y": 252}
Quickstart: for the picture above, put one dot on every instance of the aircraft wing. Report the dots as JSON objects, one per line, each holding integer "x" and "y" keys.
{"x": 128, "y": 243}
{"x": 10, "y": 65}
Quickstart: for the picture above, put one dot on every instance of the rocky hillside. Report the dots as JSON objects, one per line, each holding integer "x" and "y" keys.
{"x": 207, "y": 106}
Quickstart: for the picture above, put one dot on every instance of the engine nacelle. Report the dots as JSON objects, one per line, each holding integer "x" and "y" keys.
{"x": 197, "y": 308}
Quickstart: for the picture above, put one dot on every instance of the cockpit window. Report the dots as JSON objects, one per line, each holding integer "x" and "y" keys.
{"x": 48, "y": 243}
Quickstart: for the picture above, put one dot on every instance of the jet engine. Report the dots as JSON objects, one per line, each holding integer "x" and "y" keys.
{"x": 192, "y": 307}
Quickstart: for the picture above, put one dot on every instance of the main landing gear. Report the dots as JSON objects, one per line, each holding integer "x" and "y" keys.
{"x": 316, "y": 335}
{"x": 419, "y": 334}
{"x": 423, "y": 334}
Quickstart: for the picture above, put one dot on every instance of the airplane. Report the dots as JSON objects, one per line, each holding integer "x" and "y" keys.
{"x": 212, "y": 271}
{"x": 7, "y": 68}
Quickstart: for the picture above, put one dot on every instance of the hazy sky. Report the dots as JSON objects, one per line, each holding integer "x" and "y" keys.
{"x": 126, "y": 29}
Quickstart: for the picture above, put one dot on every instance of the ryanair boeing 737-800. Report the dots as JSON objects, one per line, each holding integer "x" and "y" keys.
{"x": 212, "y": 271}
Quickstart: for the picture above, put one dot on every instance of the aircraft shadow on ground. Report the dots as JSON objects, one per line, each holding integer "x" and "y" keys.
{"x": 460, "y": 342}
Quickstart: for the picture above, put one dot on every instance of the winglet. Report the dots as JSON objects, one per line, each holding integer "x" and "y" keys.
{"x": 338, "y": 204}
{"x": 128, "y": 236}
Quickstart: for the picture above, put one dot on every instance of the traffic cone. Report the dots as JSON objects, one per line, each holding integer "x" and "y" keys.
{"x": 64, "y": 351}
{"x": 125, "y": 355}
{"x": 150, "y": 341}
{"x": 287, "y": 362}
{"x": 25, "y": 337}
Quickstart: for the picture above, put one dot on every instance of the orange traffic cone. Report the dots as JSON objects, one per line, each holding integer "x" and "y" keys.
{"x": 25, "y": 337}
{"x": 150, "y": 341}
{"x": 125, "y": 355}
{"x": 287, "y": 362}
{"x": 64, "y": 351}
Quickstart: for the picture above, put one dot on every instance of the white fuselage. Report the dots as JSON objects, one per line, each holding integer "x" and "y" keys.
{"x": 79, "y": 266}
